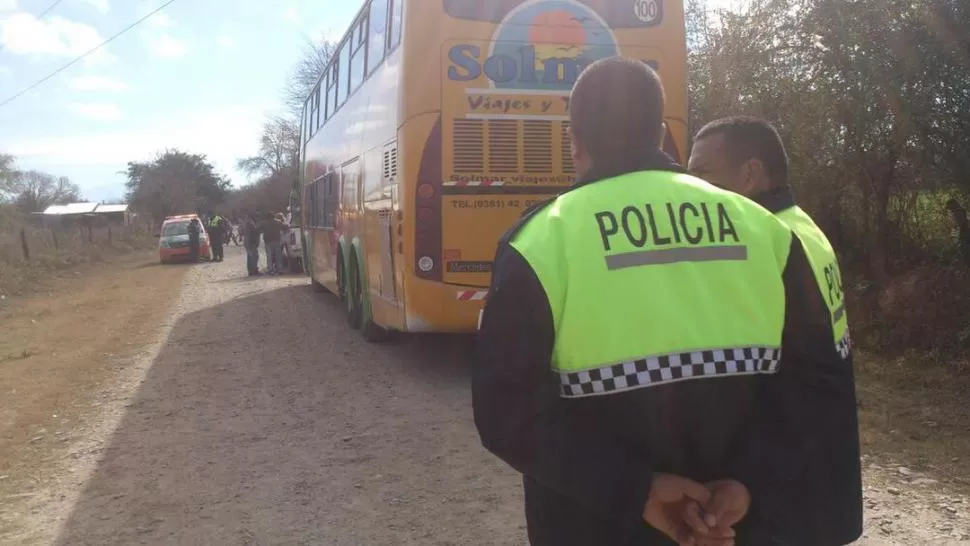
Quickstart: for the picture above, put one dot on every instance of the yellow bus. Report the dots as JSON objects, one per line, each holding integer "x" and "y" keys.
{"x": 436, "y": 123}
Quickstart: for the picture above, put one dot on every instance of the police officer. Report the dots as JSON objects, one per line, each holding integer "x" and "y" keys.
{"x": 745, "y": 155}
{"x": 217, "y": 236}
{"x": 195, "y": 233}
{"x": 645, "y": 343}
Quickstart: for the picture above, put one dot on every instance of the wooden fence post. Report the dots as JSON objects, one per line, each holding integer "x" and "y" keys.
{"x": 23, "y": 244}
{"x": 90, "y": 235}
{"x": 57, "y": 245}
{"x": 110, "y": 236}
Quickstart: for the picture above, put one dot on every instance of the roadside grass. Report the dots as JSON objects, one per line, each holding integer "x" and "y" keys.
{"x": 61, "y": 253}
{"x": 914, "y": 412}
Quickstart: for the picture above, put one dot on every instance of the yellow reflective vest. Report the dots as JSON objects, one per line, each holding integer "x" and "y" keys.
{"x": 825, "y": 266}
{"x": 655, "y": 277}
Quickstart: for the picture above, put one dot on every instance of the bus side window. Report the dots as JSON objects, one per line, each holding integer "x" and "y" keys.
{"x": 350, "y": 175}
{"x": 344, "y": 87}
{"x": 377, "y": 33}
{"x": 315, "y": 122}
{"x": 332, "y": 90}
{"x": 321, "y": 204}
{"x": 306, "y": 121}
{"x": 357, "y": 55}
{"x": 332, "y": 199}
{"x": 324, "y": 103}
{"x": 311, "y": 195}
{"x": 394, "y": 36}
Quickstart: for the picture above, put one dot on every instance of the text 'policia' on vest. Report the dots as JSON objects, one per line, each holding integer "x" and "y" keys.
{"x": 821, "y": 256}
{"x": 687, "y": 223}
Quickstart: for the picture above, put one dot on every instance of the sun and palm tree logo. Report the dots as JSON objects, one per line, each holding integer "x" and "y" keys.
{"x": 562, "y": 35}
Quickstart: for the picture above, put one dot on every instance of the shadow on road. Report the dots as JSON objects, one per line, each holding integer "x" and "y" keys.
{"x": 245, "y": 428}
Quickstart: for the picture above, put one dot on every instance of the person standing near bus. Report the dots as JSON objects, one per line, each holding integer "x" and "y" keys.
{"x": 640, "y": 331}
{"x": 272, "y": 229}
{"x": 745, "y": 155}
{"x": 195, "y": 233}
{"x": 250, "y": 236}
{"x": 217, "y": 235}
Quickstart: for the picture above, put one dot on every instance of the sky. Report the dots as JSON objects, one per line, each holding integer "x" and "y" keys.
{"x": 200, "y": 76}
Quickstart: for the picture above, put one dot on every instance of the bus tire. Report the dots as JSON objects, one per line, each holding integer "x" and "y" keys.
{"x": 370, "y": 331}
{"x": 341, "y": 277}
{"x": 348, "y": 293}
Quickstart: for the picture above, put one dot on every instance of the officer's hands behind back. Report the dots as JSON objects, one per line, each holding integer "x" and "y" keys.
{"x": 693, "y": 514}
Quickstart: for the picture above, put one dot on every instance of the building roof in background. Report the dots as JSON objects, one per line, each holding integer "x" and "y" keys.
{"x": 55, "y": 209}
{"x": 84, "y": 208}
{"x": 112, "y": 208}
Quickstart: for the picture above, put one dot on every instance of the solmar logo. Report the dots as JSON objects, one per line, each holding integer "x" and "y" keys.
{"x": 542, "y": 44}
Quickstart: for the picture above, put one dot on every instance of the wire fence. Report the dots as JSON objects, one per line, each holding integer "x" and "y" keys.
{"x": 29, "y": 253}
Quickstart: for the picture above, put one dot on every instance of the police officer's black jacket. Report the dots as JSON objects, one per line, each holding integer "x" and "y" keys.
{"x": 587, "y": 462}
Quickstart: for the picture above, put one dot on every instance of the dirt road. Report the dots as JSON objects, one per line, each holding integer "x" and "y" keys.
{"x": 258, "y": 417}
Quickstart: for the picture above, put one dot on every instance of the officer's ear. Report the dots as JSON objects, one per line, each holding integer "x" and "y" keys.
{"x": 753, "y": 177}
{"x": 580, "y": 156}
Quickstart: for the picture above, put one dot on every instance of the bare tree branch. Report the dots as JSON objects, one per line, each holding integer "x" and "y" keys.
{"x": 306, "y": 73}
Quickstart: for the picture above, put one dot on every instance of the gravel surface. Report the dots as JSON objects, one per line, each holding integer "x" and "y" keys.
{"x": 259, "y": 417}
{"x": 264, "y": 419}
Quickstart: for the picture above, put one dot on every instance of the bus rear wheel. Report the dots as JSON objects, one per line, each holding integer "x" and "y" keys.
{"x": 362, "y": 320}
{"x": 346, "y": 288}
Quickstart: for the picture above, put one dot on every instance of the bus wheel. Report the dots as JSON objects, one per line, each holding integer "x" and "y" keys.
{"x": 352, "y": 294}
{"x": 341, "y": 278}
{"x": 368, "y": 329}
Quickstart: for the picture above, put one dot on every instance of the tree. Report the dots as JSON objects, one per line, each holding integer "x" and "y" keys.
{"x": 34, "y": 191}
{"x": 175, "y": 182}
{"x": 277, "y": 162}
{"x": 279, "y": 149}
{"x": 269, "y": 194}
{"x": 870, "y": 98}
{"x": 305, "y": 75}
{"x": 7, "y": 174}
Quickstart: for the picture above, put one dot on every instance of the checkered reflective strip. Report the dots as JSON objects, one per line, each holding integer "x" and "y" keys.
{"x": 662, "y": 369}
{"x": 844, "y": 345}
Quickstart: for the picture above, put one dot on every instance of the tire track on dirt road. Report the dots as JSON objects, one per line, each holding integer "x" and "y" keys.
{"x": 264, "y": 419}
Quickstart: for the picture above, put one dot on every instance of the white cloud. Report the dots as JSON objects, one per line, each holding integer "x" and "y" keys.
{"x": 96, "y": 110}
{"x": 160, "y": 20}
{"x": 23, "y": 34}
{"x": 8, "y": 5}
{"x": 225, "y": 41}
{"x": 97, "y": 83}
{"x": 100, "y": 5}
{"x": 291, "y": 15}
{"x": 165, "y": 45}
{"x": 224, "y": 135}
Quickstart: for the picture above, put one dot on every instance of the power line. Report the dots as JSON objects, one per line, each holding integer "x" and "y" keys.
{"x": 49, "y": 8}
{"x": 74, "y": 61}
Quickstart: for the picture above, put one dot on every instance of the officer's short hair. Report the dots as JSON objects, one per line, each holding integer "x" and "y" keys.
{"x": 616, "y": 108}
{"x": 748, "y": 137}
